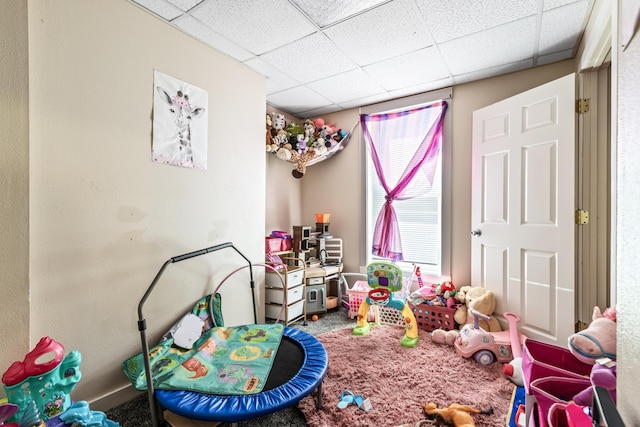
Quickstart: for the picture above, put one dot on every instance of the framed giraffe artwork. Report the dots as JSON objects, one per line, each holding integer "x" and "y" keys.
{"x": 179, "y": 123}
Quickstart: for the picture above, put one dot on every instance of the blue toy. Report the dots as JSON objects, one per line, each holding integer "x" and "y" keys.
{"x": 79, "y": 414}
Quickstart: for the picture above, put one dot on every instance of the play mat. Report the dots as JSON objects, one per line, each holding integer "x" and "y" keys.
{"x": 224, "y": 360}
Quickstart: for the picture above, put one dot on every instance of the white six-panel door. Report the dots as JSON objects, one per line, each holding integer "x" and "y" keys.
{"x": 523, "y": 204}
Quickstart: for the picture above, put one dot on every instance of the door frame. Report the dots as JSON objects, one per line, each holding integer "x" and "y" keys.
{"x": 593, "y": 193}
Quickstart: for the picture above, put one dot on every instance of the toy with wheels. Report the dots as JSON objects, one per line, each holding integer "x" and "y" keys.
{"x": 385, "y": 278}
{"x": 487, "y": 347}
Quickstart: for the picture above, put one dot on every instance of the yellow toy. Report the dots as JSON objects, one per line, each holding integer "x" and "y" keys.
{"x": 385, "y": 278}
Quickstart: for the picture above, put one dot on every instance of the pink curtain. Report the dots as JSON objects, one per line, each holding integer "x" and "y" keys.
{"x": 382, "y": 131}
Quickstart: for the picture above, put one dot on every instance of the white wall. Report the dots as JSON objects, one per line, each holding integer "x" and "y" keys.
{"x": 628, "y": 219}
{"x": 102, "y": 217}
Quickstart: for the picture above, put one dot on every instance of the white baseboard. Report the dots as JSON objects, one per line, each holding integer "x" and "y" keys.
{"x": 116, "y": 398}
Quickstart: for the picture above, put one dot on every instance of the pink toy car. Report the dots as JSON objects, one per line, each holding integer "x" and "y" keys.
{"x": 487, "y": 347}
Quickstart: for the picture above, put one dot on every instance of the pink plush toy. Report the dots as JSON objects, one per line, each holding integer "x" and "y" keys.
{"x": 596, "y": 345}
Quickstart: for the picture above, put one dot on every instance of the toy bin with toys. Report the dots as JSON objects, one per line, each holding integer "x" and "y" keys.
{"x": 542, "y": 362}
{"x": 380, "y": 314}
{"x": 432, "y": 317}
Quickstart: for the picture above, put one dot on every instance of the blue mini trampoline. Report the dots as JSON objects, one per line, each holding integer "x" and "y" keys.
{"x": 299, "y": 368}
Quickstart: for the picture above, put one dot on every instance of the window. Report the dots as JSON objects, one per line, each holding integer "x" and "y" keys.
{"x": 424, "y": 221}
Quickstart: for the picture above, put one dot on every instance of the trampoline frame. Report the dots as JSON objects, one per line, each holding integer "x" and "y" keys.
{"x": 230, "y": 408}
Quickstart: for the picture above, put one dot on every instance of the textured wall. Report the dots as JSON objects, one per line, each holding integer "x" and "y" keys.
{"x": 628, "y": 228}
{"x": 14, "y": 181}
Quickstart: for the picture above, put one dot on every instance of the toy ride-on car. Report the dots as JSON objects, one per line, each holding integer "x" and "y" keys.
{"x": 487, "y": 347}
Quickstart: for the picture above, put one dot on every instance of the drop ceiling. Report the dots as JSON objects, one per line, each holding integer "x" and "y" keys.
{"x": 320, "y": 57}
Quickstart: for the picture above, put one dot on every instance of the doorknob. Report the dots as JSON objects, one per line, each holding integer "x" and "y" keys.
{"x": 476, "y": 232}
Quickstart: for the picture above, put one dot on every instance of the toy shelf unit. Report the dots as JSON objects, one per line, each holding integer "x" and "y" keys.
{"x": 380, "y": 314}
{"x": 291, "y": 294}
{"x": 318, "y": 284}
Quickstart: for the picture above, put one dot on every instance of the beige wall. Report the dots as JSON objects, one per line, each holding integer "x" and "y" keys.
{"x": 14, "y": 182}
{"x": 283, "y": 191}
{"x": 103, "y": 218}
{"x": 335, "y": 185}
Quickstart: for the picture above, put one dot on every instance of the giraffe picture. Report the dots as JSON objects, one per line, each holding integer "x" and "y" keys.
{"x": 179, "y": 123}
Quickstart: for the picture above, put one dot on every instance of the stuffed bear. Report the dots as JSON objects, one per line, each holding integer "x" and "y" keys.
{"x": 440, "y": 336}
{"x": 596, "y": 346}
{"x": 482, "y": 300}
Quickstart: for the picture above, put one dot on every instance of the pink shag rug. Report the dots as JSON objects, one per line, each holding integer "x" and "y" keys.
{"x": 398, "y": 380}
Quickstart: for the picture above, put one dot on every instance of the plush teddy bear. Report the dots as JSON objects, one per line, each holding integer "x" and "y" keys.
{"x": 440, "y": 336}
{"x": 481, "y": 300}
{"x": 596, "y": 346}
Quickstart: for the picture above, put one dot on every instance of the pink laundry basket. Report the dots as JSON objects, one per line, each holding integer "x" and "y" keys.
{"x": 550, "y": 390}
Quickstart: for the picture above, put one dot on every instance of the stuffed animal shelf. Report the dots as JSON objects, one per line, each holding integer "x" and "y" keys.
{"x": 596, "y": 346}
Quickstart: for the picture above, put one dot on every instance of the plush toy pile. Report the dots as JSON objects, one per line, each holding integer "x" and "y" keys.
{"x": 481, "y": 300}
{"x": 300, "y": 144}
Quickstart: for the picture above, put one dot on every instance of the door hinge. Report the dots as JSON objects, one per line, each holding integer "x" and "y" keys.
{"x": 582, "y": 217}
{"x": 582, "y": 106}
{"x": 580, "y": 326}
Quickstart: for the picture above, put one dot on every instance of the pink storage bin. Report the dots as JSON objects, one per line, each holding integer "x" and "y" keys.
{"x": 285, "y": 244}
{"x": 546, "y": 360}
{"x": 272, "y": 244}
{"x": 555, "y": 390}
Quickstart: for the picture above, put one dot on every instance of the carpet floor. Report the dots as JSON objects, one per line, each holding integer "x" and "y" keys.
{"x": 135, "y": 413}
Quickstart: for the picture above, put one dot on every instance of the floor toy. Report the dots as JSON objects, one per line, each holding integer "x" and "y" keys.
{"x": 45, "y": 376}
{"x": 488, "y": 347}
{"x": 455, "y": 414}
{"x": 385, "y": 278}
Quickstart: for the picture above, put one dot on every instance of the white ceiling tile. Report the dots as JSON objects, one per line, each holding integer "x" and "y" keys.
{"x": 554, "y": 57}
{"x": 161, "y": 8}
{"x": 390, "y": 30}
{"x": 318, "y": 112}
{"x": 258, "y": 26}
{"x": 350, "y": 85}
{"x": 561, "y": 26}
{"x": 297, "y": 99}
{"x": 276, "y": 79}
{"x": 497, "y": 46}
{"x": 367, "y": 100}
{"x": 409, "y": 70}
{"x": 423, "y": 87}
{"x": 493, "y": 71}
{"x": 184, "y": 4}
{"x": 197, "y": 29}
{"x": 552, "y": 4}
{"x": 309, "y": 59}
{"x": 339, "y": 10}
{"x": 450, "y": 19}
{"x": 324, "y": 56}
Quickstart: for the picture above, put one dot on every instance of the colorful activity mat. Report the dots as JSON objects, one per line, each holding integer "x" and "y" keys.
{"x": 223, "y": 361}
